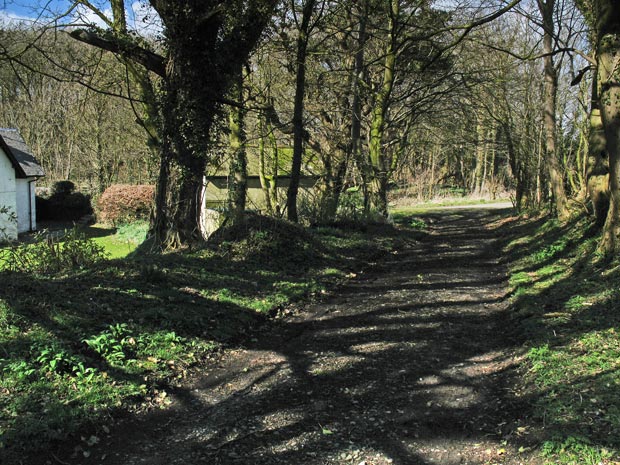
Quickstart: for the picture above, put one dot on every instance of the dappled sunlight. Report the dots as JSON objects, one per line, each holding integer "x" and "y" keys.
{"x": 567, "y": 308}
{"x": 377, "y": 376}
{"x": 405, "y": 364}
{"x": 123, "y": 328}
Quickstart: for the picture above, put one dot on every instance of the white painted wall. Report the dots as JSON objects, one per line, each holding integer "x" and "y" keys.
{"x": 8, "y": 228}
{"x": 25, "y": 202}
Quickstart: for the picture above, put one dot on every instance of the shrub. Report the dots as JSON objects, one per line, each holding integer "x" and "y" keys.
{"x": 63, "y": 188}
{"x": 48, "y": 255}
{"x": 122, "y": 203}
{"x": 65, "y": 204}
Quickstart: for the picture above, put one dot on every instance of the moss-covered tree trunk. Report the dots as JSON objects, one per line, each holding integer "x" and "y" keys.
{"x": 603, "y": 17}
{"x": 379, "y": 160}
{"x": 206, "y": 45}
{"x": 597, "y": 171}
{"x": 608, "y": 53}
{"x": 238, "y": 177}
{"x": 362, "y": 12}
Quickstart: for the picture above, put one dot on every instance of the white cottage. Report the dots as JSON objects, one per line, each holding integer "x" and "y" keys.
{"x": 18, "y": 172}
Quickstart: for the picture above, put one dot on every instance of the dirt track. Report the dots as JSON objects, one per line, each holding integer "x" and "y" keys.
{"x": 405, "y": 365}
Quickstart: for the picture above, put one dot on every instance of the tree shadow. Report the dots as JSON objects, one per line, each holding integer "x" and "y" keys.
{"x": 568, "y": 316}
{"x": 393, "y": 369}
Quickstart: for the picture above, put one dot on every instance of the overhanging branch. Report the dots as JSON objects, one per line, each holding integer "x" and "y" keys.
{"x": 150, "y": 60}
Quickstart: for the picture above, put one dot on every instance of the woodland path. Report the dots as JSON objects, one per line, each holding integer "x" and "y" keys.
{"x": 408, "y": 363}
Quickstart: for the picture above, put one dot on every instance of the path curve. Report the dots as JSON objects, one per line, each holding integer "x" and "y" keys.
{"x": 404, "y": 365}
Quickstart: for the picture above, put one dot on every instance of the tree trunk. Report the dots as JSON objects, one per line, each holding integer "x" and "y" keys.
{"x": 608, "y": 54}
{"x": 515, "y": 166}
{"x": 188, "y": 109}
{"x": 378, "y": 158}
{"x": 298, "y": 110}
{"x": 480, "y": 158}
{"x": 552, "y": 160}
{"x": 177, "y": 216}
{"x": 597, "y": 173}
{"x": 205, "y": 47}
{"x": 334, "y": 185}
{"x": 238, "y": 177}
{"x": 356, "y": 107}
{"x": 262, "y": 165}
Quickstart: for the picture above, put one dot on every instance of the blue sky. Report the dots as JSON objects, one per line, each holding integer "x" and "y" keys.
{"x": 139, "y": 14}
{"x": 29, "y": 9}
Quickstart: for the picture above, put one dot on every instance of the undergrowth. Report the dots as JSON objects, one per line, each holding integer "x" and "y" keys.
{"x": 48, "y": 254}
{"x": 566, "y": 301}
{"x": 80, "y": 345}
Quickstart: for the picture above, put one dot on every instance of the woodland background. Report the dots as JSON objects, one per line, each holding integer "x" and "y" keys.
{"x": 381, "y": 100}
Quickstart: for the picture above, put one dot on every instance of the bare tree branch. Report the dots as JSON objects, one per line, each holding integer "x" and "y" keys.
{"x": 150, "y": 60}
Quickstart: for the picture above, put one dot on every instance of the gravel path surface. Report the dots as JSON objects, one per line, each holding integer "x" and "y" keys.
{"x": 409, "y": 363}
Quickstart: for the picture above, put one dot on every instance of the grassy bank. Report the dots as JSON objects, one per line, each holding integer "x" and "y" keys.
{"x": 79, "y": 347}
{"x": 567, "y": 303}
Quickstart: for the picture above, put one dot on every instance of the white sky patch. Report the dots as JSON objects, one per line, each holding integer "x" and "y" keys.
{"x": 144, "y": 19}
{"x": 11, "y": 19}
{"x": 85, "y": 16}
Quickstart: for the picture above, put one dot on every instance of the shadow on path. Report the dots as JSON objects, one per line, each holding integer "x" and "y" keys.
{"x": 407, "y": 364}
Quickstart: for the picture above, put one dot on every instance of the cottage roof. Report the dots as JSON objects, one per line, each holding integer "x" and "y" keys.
{"x": 19, "y": 153}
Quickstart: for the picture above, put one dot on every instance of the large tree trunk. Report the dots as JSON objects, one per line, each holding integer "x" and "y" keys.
{"x": 206, "y": 41}
{"x": 379, "y": 189}
{"x": 597, "y": 172}
{"x": 608, "y": 59}
{"x": 188, "y": 109}
{"x": 550, "y": 96}
{"x": 177, "y": 213}
{"x": 205, "y": 46}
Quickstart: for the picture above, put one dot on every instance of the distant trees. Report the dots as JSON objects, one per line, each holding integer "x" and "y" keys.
{"x": 74, "y": 131}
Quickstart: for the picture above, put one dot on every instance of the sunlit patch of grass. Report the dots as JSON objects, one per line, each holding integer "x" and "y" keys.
{"x": 568, "y": 302}
{"x": 575, "y": 450}
{"x": 332, "y": 272}
{"x": 425, "y": 206}
{"x": 125, "y": 240}
{"x": 519, "y": 279}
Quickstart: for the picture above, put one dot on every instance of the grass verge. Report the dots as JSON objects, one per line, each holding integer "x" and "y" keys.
{"x": 125, "y": 239}
{"x": 567, "y": 303}
{"x": 79, "y": 347}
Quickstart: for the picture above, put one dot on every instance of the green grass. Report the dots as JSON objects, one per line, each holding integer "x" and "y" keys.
{"x": 567, "y": 306}
{"x": 115, "y": 242}
{"x": 125, "y": 240}
{"x": 426, "y": 206}
{"x": 79, "y": 345}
